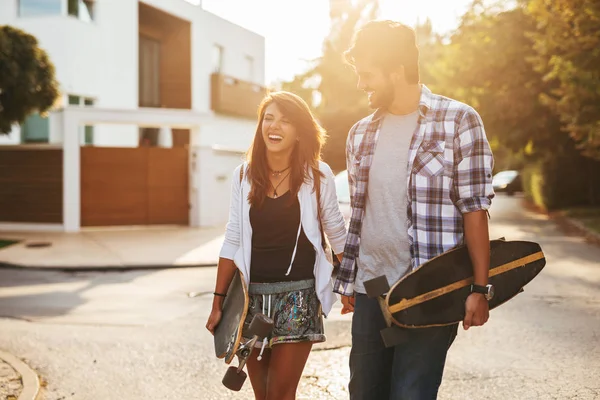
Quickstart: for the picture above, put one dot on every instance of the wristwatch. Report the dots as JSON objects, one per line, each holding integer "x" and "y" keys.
{"x": 487, "y": 290}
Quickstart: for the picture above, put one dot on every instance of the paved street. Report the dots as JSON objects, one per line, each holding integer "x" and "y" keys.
{"x": 139, "y": 335}
{"x": 10, "y": 382}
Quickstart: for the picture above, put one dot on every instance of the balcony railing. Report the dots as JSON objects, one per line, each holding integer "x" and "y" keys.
{"x": 235, "y": 97}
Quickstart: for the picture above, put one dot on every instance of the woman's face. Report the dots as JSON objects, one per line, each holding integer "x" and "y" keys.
{"x": 279, "y": 134}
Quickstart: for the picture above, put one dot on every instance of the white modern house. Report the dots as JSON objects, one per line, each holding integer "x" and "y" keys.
{"x": 159, "y": 101}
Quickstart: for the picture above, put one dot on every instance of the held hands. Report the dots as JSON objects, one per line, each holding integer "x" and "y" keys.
{"x": 477, "y": 311}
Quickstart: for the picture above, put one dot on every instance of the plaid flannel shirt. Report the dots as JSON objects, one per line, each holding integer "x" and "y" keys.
{"x": 450, "y": 173}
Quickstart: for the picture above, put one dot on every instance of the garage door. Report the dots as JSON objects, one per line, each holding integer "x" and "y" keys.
{"x": 134, "y": 186}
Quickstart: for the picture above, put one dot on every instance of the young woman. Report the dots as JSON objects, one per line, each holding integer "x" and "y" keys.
{"x": 274, "y": 237}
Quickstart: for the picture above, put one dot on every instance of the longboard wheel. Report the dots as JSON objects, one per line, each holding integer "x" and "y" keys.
{"x": 233, "y": 379}
{"x": 261, "y": 326}
{"x": 393, "y": 336}
{"x": 377, "y": 286}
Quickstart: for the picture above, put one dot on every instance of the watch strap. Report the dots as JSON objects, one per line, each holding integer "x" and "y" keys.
{"x": 479, "y": 289}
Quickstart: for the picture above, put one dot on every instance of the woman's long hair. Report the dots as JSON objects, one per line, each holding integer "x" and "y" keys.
{"x": 306, "y": 153}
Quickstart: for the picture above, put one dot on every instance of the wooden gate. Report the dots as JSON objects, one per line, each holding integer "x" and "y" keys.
{"x": 134, "y": 186}
{"x": 31, "y": 185}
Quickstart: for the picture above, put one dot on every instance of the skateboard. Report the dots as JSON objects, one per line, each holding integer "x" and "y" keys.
{"x": 228, "y": 334}
{"x": 435, "y": 293}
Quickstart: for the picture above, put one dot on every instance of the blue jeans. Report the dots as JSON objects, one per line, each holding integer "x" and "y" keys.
{"x": 409, "y": 371}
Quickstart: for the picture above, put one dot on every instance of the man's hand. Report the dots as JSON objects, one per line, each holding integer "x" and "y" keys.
{"x": 477, "y": 311}
{"x": 348, "y": 304}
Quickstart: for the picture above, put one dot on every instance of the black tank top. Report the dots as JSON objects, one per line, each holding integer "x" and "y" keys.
{"x": 274, "y": 230}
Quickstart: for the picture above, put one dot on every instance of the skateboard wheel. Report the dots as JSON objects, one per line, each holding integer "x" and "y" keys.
{"x": 393, "y": 336}
{"x": 233, "y": 379}
{"x": 261, "y": 326}
{"x": 377, "y": 287}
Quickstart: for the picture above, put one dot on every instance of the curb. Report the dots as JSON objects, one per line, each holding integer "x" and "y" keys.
{"x": 103, "y": 268}
{"x": 578, "y": 227}
{"x": 570, "y": 225}
{"x": 30, "y": 380}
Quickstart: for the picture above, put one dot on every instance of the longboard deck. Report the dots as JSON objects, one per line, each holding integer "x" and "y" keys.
{"x": 435, "y": 293}
{"x": 228, "y": 333}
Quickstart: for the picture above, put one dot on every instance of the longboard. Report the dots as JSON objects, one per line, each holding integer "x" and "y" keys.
{"x": 435, "y": 293}
{"x": 228, "y": 333}
{"x": 228, "y": 339}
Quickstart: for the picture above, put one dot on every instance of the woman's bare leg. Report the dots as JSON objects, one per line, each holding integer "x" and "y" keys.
{"x": 258, "y": 372}
{"x": 285, "y": 369}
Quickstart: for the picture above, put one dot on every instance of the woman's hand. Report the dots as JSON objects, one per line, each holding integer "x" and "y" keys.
{"x": 225, "y": 271}
{"x": 213, "y": 319}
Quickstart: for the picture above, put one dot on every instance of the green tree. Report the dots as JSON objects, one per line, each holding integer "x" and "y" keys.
{"x": 27, "y": 82}
{"x": 567, "y": 47}
{"x": 485, "y": 64}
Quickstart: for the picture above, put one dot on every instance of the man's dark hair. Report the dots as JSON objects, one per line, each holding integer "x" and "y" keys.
{"x": 388, "y": 45}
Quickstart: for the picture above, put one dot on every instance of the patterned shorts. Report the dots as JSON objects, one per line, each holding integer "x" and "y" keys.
{"x": 293, "y": 306}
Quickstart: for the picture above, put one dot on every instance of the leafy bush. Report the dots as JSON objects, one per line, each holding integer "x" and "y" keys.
{"x": 561, "y": 180}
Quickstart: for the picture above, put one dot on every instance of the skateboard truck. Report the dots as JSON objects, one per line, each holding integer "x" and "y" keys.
{"x": 260, "y": 327}
{"x": 391, "y": 335}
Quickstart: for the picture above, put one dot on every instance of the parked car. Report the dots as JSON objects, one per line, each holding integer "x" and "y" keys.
{"x": 508, "y": 182}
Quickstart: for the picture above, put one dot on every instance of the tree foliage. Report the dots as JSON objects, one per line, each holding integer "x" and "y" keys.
{"x": 567, "y": 46}
{"x": 27, "y": 82}
{"x": 486, "y": 64}
{"x": 531, "y": 69}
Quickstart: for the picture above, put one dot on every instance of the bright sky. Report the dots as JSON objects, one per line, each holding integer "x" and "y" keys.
{"x": 294, "y": 29}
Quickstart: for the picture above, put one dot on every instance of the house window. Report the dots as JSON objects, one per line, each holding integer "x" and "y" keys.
{"x": 88, "y": 130}
{"x": 82, "y": 9}
{"x": 32, "y": 8}
{"x": 149, "y": 72}
{"x": 35, "y": 129}
{"x": 250, "y": 68}
{"x": 217, "y": 59}
{"x": 74, "y": 100}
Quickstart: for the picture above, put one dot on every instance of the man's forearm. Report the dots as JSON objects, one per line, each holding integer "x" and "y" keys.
{"x": 477, "y": 240}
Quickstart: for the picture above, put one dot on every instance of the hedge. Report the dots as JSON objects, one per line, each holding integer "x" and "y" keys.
{"x": 562, "y": 180}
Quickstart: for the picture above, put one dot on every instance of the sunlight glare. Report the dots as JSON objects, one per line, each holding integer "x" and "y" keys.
{"x": 294, "y": 30}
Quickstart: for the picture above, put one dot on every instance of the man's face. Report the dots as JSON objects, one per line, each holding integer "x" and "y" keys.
{"x": 375, "y": 83}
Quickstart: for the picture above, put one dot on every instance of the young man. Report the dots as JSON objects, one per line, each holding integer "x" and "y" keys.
{"x": 428, "y": 167}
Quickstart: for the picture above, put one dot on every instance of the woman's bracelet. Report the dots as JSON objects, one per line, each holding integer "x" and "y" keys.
{"x": 220, "y": 294}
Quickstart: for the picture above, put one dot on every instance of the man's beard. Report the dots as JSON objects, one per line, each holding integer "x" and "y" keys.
{"x": 384, "y": 97}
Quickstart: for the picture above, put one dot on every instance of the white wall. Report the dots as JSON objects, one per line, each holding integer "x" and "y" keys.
{"x": 229, "y": 132}
{"x": 98, "y": 60}
{"x": 214, "y": 170}
{"x": 211, "y": 169}
{"x": 118, "y": 21}
{"x": 116, "y": 136}
{"x": 14, "y": 137}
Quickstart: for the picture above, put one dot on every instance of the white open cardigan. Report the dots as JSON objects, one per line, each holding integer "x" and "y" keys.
{"x": 238, "y": 237}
